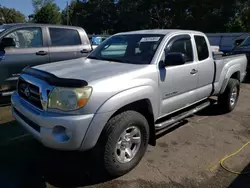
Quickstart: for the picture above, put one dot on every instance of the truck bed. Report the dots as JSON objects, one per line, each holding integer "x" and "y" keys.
{"x": 228, "y": 56}
{"x": 223, "y": 63}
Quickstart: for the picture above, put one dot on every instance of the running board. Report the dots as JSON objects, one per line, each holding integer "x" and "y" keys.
{"x": 7, "y": 93}
{"x": 183, "y": 115}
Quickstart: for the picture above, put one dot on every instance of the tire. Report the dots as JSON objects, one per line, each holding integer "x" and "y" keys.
{"x": 225, "y": 100}
{"x": 107, "y": 143}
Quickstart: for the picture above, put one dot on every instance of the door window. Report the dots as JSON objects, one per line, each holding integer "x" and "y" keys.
{"x": 181, "y": 45}
{"x": 27, "y": 37}
{"x": 64, "y": 37}
{"x": 202, "y": 48}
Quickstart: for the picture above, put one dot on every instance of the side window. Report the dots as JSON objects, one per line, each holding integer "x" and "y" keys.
{"x": 202, "y": 48}
{"x": 64, "y": 37}
{"x": 181, "y": 45}
{"x": 26, "y": 38}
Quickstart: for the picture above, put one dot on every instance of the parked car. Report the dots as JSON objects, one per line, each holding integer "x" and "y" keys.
{"x": 24, "y": 45}
{"x": 130, "y": 89}
{"x": 226, "y": 41}
{"x": 97, "y": 40}
{"x": 244, "y": 48}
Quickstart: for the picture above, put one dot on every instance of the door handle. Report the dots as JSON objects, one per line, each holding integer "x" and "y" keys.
{"x": 193, "y": 71}
{"x": 84, "y": 51}
{"x": 41, "y": 53}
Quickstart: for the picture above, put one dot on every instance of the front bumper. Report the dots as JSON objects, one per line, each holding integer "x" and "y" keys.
{"x": 54, "y": 130}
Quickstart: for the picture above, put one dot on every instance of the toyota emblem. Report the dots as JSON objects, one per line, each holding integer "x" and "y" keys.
{"x": 27, "y": 91}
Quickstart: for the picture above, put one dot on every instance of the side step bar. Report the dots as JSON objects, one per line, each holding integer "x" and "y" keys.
{"x": 183, "y": 115}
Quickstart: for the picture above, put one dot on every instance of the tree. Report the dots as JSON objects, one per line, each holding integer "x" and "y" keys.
{"x": 30, "y": 18}
{"x": 38, "y": 4}
{"x": 11, "y": 16}
{"x": 49, "y": 13}
{"x": 71, "y": 10}
{"x": 241, "y": 20}
{"x": 99, "y": 16}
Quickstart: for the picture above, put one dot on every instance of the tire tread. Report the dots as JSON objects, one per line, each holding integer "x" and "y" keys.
{"x": 224, "y": 98}
{"x": 107, "y": 139}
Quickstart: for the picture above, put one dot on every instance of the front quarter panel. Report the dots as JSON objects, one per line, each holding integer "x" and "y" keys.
{"x": 129, "y": 96}
{"x": 109, "y": 107}
{"x": 105, "y": 89}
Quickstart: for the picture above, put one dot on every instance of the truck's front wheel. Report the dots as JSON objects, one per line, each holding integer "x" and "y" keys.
{"x": 229, "y": 98}
{"x": 123, "y": 142}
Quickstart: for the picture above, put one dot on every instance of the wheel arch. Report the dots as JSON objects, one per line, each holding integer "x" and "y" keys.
{"x": 143, "y": 107}
{"x": 233, "y": 72}
{"x": 143, "y": 99}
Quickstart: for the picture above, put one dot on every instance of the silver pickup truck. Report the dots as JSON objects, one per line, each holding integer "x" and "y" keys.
{"x": 128, "y": 90}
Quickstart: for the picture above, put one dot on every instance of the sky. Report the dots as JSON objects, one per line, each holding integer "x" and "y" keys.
{"x": 25, "y": 6}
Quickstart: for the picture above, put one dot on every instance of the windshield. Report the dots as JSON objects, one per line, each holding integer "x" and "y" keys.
{"x": 246, "y": 42}
{"x": 134, "y": 48}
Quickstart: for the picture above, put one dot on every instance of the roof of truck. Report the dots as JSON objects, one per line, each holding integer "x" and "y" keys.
{"x": 160, "y": 31}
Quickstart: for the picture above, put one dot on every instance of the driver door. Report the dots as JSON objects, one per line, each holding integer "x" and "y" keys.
{"x": 178, "y": 82}
{"x": 28, "y": 50}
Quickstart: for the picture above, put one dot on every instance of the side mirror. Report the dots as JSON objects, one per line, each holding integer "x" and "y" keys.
{"x": 7, "y": 42}
{"x": 174, "y": 58}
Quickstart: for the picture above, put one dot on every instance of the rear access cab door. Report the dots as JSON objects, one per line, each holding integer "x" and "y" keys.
{"x": 67, "y": 43}
{"x": 30, "y": 49}
{"x": 206, "y": 67}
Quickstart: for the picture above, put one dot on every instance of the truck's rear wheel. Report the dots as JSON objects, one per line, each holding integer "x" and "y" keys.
{"x": 229, "y": 98}
{"x": 123, "y": 142}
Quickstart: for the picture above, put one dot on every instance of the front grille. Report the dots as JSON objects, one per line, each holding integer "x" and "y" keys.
{"x": 29, "y": 92}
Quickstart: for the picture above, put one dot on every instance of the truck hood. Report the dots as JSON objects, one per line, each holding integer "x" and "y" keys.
{"x": 88, "y": 69}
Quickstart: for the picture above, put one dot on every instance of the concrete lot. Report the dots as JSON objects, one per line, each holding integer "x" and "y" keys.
{"x": 186, "y": 157}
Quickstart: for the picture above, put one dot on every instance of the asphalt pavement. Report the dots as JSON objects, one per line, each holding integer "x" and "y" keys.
{"x": 187, "y": 156}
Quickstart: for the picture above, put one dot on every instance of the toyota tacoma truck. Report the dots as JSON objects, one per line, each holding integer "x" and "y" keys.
{"x": 132, "y": 87}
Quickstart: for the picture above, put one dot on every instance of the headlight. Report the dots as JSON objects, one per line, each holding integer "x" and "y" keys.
{"x": 68, "y": 99}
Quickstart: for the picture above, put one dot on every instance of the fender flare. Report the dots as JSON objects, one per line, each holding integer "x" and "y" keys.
{"x": 230, "y": 72}
{"x": 110, "y": 106}
{"x": 129, "y": 96}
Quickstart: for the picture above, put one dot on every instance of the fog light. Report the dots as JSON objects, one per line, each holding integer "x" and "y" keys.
{"x": 61, "y": 134}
